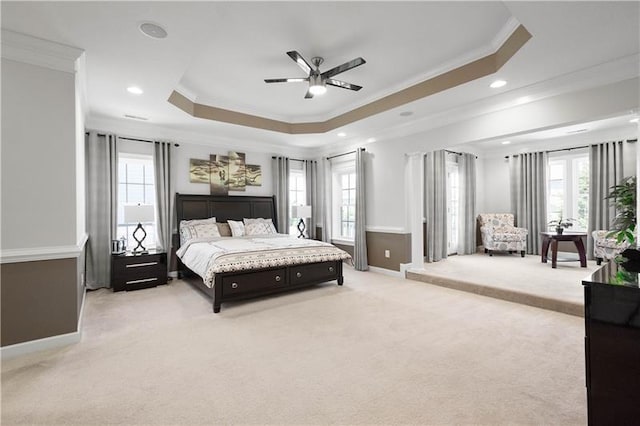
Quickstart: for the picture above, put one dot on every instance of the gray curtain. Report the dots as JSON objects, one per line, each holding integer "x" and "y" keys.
{"x": 528, "y": 174}
{"x": 164, "y": 195}
{"x": 605, "y": 170}
{"x": 360, "y": 262}
{"x": 467, "y": 212}
{"x": 101, "y": 162}
{"x": 311, "y": 181}
{"x": 326, "y": 200}
{"x": 281, "y": 191}
{"x": 435, "y": 205}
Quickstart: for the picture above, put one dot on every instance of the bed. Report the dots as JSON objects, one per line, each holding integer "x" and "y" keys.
{"x": 241, "y": 276}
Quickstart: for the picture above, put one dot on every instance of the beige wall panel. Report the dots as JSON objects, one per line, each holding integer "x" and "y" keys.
{"x": 39, "y": 299}
{"x": 399, "y": 246}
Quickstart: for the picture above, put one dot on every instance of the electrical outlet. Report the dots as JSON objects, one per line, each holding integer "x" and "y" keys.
{"x": 387, "y": 254}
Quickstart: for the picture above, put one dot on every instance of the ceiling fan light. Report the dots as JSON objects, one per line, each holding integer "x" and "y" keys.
{"x": 317, "y": 89}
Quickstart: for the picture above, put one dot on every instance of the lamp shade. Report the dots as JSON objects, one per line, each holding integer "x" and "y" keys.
{"x": 301, "y": 212}
{"x": 139, "y": 213}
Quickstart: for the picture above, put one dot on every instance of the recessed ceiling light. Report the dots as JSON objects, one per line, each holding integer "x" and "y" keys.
{"x": 136, "y": 117}
{"x": 523, "y": 100}
{"x": 342, "y": 134}
{"x": 506, "y": 142}
{"x": 634, "y": 120}
{"x": 406, "y": 113}
{"x": 153, "y": 30}
{"x": 371, "y": 140}
{"x": 497, "y": 83}
{"x": 135, "y": 90}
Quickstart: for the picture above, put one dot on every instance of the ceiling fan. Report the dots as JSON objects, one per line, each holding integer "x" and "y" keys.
{"x": 317, "y": 80}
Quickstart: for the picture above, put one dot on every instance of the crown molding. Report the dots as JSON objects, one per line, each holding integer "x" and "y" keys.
{"x": 146, "y": 130}
{"x": 465, "y": 73}
{"x": 36, "y": 51}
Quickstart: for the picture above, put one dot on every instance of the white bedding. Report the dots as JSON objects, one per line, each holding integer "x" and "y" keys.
{"x": 208, "y": 256}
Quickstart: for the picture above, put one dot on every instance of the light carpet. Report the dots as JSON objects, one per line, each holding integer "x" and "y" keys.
{"x": 379, "y": 350}
{"x": 511, "y": 277}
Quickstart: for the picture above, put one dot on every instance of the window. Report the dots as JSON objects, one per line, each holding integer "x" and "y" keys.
{"x": 343, "y": 209}
{"x": 347, "y": 217}
{"x": 297, "y": 196}
{"x": 453, "y": 207}
{"x": 568, "y": 189}
{"x": 135, "y": 186}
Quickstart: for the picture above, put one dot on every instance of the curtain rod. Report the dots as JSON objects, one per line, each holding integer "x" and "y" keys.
{"x": 292, "y": 159}
{"x": 578, "y": 147}
{"x": 346, "y": 153}
{"x": 455, "y": 152}
{"x": 131, "y": 139}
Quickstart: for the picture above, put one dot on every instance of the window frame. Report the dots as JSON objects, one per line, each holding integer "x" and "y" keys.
{"x": 300, "y": 199}
{"x": 148, "y": 191}
{"x": 338, "y": 171}
{"x": 571, "y": 189}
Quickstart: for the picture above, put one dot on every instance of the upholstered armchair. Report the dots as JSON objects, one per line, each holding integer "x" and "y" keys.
{"x": 606, "y": 248}
{"x": 498, "y": 233}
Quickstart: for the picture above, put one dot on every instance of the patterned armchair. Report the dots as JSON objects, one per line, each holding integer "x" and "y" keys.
{"x": 606, "y": 247}
{"x": 498, "y": 233}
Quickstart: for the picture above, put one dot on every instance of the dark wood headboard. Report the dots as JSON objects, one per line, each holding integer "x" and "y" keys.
{"x": 224, "y": 207}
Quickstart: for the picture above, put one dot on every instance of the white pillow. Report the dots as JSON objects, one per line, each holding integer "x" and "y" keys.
{"x": 237, "y": 228}
{"x": 266, "y": 226}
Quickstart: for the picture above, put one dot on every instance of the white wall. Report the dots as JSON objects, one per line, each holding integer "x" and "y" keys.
{"x": 39, "y": 187}
{"x": 496, "y": 186}
{"x": 80, "y": 112}
{"x": 185, "y": 152}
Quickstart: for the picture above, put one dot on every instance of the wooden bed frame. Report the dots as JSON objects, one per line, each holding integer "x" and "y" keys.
{"x": 230, "y": 286}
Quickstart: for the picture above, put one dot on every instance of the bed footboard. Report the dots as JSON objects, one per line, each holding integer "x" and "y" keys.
{"x": 231, "y": 286}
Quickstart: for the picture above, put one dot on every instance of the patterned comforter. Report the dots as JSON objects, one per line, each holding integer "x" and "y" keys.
{"x": 208, "y": 256}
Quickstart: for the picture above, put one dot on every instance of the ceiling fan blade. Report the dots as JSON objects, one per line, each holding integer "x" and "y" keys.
{"x": 344, "y": 67}
{"x": 342, "y": 84}
{"x": 309, "y": 95}
{"x": 285, "y": 80}
{"x": 300, "y": 61}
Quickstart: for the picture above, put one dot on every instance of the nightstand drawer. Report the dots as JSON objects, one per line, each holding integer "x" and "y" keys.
{"x": 316, "y": 272}
{"x": 251, "y": 282}
{"x": 132, "y": 272}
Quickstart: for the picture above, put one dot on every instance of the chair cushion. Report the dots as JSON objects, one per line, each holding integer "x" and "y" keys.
{"x": 508, "y": 236}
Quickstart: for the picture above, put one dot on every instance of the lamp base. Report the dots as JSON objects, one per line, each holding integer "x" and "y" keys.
{"x": 140, "y": 249}
{"x": 301, "y": 228}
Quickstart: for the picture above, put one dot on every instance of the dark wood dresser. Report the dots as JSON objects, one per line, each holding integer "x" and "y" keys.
{"x": 612, "y": 345}
{"x": 134, "y": 272}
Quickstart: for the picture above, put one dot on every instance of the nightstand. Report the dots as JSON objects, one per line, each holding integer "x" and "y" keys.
{"x": 135, "y": 271}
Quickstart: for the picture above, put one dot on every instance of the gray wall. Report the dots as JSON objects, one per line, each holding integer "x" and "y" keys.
{"x": 42, "y": 210}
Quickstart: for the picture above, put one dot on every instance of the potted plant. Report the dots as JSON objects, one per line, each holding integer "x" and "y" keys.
{"x": 561, "y": 224}
{"x": 623, "y": 197}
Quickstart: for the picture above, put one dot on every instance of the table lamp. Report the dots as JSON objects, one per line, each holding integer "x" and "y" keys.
{"x": 139, "y": 213}
{"x": 301, "y": 212}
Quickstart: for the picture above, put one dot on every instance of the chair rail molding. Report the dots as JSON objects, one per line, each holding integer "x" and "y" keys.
{"x": 43, "y": 253}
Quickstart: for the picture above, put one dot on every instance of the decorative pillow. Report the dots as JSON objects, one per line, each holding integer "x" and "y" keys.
{"x": 268, "y": 223}
{"x": 205, "y": 230}
{"x": 237, "y": 228}
{"x": 197, "y": 222}
{"x": 187, "y": 231}
{"x": 224, "y": 229}
{"x": 257, "y": 228}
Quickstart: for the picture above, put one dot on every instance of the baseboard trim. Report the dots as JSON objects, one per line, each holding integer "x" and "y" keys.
{"x": 384, "y": 271}
{"x": 46, "y": 343}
